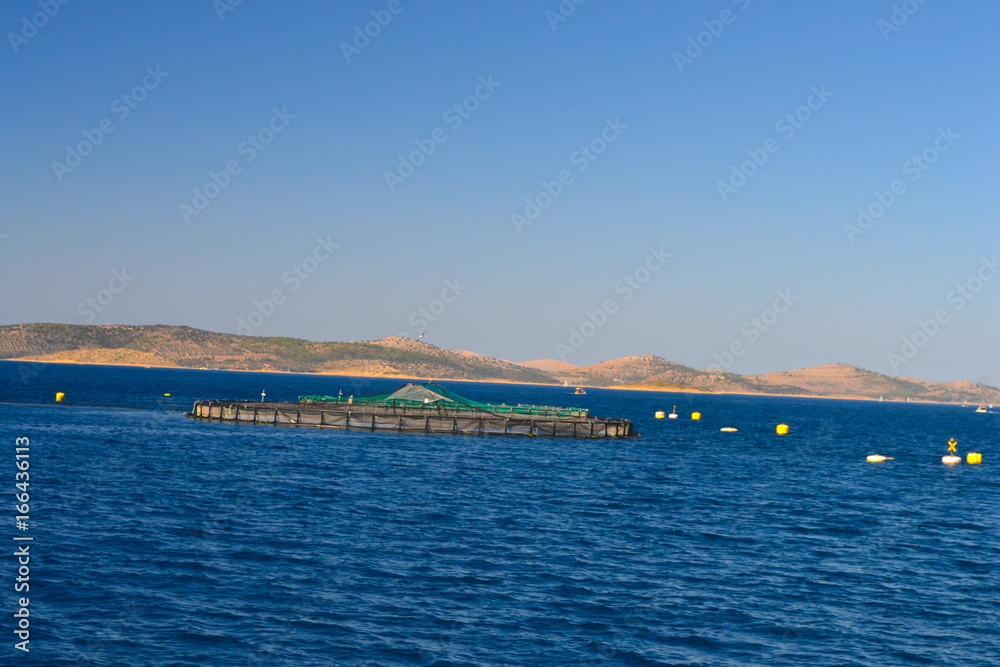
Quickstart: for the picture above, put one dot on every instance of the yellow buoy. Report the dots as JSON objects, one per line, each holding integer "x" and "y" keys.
{"x": 166, "y": 394}
{"x": 660, "y": 414}
{"x": 728, "y": 429}
{"x": 974, "y": 457}
{"x": 876, "y": 458}
{"x": 949, "y": 459}
{"x": 782, "y": 429}
{"x": 60, "y": 396}
{"x": 695, "y": 416}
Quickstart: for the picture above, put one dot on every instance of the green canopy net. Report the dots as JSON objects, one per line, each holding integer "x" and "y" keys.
{"x": 433, "y": 396}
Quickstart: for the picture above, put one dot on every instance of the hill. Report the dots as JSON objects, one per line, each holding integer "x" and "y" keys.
{"x": 185, "y": 347}
{"x": 831, "y": 380}
{"x": 652, "y": 372}
{"x": 841, "y": 379}
{"x": 549, "y": 365}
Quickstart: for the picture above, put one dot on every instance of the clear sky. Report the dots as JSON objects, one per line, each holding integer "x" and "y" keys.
{"x": 510, "y": 168}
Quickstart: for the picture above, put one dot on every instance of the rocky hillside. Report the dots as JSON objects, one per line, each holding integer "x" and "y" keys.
{"x": 185, "y": 347}
{"x": 550, "y": 365}
{"x": 652, "y": 372}
{"x": 193, "y": 348}
{"x": 841, "y": 380}
{"x": 831, "y": 380}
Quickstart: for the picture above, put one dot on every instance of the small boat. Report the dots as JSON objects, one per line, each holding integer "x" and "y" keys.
{"x": 981, "y": 408}
{"x": 579, "y": 390}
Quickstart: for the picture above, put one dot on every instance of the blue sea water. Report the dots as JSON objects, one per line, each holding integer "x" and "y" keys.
{"x": 164, "y": 540}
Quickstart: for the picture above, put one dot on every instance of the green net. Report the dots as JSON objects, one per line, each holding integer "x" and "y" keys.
{"x": 431, "y": 395}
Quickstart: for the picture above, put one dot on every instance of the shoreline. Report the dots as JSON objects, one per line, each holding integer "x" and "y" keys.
{"x": 640, "y": 387}
{"x": 277, "y": 372}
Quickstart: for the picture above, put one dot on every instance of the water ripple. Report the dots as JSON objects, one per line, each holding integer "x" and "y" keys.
{"x": 166, "y": 541}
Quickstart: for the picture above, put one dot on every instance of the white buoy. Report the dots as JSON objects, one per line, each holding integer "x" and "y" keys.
{"x": 673, "y": 415}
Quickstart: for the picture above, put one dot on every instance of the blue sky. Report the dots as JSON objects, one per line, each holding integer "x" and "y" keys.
{"x": 307, "y": 236}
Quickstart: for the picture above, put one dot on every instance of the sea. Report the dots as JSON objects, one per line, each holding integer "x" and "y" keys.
{"x": 158, "y": 539}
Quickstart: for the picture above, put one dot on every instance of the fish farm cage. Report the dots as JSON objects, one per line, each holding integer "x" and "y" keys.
{"x": 428, "y": 408}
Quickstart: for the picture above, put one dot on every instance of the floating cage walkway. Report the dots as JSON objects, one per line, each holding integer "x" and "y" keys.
{"x": 427, "y": 408}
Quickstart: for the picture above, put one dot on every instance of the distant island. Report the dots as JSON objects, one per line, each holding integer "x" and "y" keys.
{"x": 186, "y": 347}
